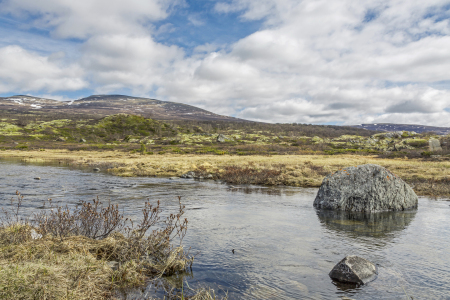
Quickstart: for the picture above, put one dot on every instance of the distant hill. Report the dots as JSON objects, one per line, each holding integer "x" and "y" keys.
{"x": 404, "y": 127}
{"x": 103, "y": 105}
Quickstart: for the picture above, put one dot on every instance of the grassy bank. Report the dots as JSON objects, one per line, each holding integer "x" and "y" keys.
{"x": 426, "y": 176}
{"x": 91, "y": 252}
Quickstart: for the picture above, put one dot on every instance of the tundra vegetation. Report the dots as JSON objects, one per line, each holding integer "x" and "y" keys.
{"x": 94, "y": 252}
{"x": 235, "y": 152}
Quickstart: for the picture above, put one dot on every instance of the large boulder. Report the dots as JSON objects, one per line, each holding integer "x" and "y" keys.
{"x": 221, "y": 138}
{"x": 434, "y": 145}
{"x": 365, "y": 188}
{"x": 354, "y": 269}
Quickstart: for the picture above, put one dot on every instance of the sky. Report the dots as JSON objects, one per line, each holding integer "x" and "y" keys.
{"x": 284, "y": 61}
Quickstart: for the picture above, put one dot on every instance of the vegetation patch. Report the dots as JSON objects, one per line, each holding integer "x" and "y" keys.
{"x": 91, "y": 252}
{"x": 250, "y": 175}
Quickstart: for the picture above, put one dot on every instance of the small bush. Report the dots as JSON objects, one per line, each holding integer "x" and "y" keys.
{"x": 250, "y": 175}
{"x": 417, "y": 143}
{"x": 64, "y": 253}
{"x": 21, "y": 147}
{"x": 426, "y": 153}
{"x": 143, "y": 149}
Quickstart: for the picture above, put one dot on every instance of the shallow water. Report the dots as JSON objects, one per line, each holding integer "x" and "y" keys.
{"x": 284, "y": 248}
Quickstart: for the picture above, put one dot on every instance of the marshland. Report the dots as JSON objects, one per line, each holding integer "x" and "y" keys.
{"x": 283, "y": 247}
{"x": 224, "y": 149}
{"x": 244, "y": 228}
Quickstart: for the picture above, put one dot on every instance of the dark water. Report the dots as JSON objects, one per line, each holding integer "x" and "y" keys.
{"x": 284, "y": 248}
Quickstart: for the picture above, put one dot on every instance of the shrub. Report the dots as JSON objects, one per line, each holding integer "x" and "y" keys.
{"x": 250, "y": 175}
{"x": 143, "y": 149}
{"x": 75, "y": 246}
{"x": 418, "y": 143}
{"x": 426, "y": 153}
{"x": 21, "y": 147}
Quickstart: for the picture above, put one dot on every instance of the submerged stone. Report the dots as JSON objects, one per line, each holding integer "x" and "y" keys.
{"x": 354, "y": 269}
{"x": 365, "y": 188}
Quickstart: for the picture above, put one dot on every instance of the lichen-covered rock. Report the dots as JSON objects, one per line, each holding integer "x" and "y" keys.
{"x": 221, "y": 138}
{"x": 365, "y": 188}
{"x": 354, "y": 269}
{"x": 434, "y": 145}
{"x": 317, "y": 140}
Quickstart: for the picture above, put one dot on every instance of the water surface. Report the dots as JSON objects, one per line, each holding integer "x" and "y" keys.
{"x": 284, "y": 248}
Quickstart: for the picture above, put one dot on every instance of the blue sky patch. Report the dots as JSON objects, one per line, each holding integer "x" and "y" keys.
{"x": 200, "y": 24}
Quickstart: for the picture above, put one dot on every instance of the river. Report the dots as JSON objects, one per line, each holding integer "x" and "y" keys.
{"x": 283, "y": 247}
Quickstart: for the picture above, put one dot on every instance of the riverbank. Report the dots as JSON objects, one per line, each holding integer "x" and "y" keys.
{"x": 91, "y": 252}
{"x": 427, "y": 177}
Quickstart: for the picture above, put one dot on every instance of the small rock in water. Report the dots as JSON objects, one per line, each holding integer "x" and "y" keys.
{"x": 96, "y": 169}
{"x": 354, "y": 269}
{"x": 173, "y": 178}
{"x": 37, "y": 178}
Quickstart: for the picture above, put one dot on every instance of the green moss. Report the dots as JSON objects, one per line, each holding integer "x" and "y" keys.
{"x": 21, "y": 147}
{"x": 9, "y": 129}
{"x": 56, "y": 123}
{"x": 417, "y": 142}
{"x": 317, "y": 140}
{"x": 347, "y": 151}
{"x": 426, "y": 153}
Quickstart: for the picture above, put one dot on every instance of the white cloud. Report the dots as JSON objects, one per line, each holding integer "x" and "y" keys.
{"x": 313, "y": 61}
{"x": 21, "y": 70}
{"x": 196, "y": 20}
{"x": 127, "y": 61}
{"x": 324, "y": 52}
{"x": 81, "y": 19}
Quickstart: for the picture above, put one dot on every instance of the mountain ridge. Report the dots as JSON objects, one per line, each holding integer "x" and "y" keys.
{"x": 104, "y": 105}
{"x": 390, "y": 127}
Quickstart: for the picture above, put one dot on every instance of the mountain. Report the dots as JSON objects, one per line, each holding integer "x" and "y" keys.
{"x": 404, "y": 127}
{"x": 104, "y": 105}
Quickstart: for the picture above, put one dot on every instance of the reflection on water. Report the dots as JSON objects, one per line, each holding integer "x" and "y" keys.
{"x": 356, "y": 224}
{"x": 284, "y": 248}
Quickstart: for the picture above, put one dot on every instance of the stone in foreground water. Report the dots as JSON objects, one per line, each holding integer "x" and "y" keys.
{"x": 365, "y": 188}
{"x": 354, "y": 269}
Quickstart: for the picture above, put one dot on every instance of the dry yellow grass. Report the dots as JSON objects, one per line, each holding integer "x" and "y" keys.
{"x": 296, "y": 170}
